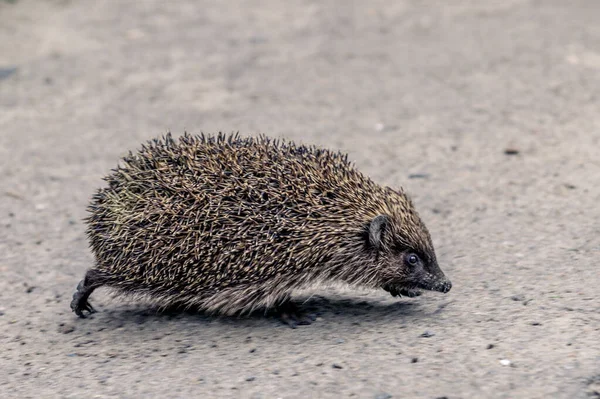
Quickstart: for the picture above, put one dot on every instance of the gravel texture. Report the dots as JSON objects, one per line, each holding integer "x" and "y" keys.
{"x": 488, "y": 113}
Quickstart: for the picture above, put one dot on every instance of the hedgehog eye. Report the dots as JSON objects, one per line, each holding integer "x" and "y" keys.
{"x": 412, "y": 259}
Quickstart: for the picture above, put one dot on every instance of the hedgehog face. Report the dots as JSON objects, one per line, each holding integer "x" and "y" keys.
{"x": 407, "y": 259}
{"x": 409, "y": 270}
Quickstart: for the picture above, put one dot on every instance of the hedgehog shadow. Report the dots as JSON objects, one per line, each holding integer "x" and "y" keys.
{"x": 333, "y": 309}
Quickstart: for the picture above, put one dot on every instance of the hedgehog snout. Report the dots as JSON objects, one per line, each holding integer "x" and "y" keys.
{"x": 443, "y": 286}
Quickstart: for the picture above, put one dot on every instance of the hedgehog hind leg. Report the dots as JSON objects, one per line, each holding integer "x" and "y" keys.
{"x": 92, "y": 280}
{"x": 291, "y": 314}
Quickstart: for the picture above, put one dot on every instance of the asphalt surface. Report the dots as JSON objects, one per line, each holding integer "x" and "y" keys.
{"x": 487, "y": 113}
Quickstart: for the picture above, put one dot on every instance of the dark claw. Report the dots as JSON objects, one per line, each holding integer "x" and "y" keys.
{"x": 80, "y": 301}
{"x": 289, "y": 319}
{"x": 87, "y": 306}
{"x": 79, "y": 306}
{"x": 410, "y": 293}
{"x": 92, "y": 280}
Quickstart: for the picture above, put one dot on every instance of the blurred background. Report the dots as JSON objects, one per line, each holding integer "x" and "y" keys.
{"x": 487, "y": 113}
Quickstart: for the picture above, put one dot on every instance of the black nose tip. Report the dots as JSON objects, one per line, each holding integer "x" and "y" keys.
{"x": 445, "y": 286}
{"x": 448, "y": 286}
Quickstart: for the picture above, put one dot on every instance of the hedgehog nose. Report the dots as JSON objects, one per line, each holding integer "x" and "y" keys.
{"x": 444, "y": 286}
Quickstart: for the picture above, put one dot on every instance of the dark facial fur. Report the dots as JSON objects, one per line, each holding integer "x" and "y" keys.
{"x": 231, "y": 224}
{"x": 398, "y": 254}
{"x": 406, "y": 256}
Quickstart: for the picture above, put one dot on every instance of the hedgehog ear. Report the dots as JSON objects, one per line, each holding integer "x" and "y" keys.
{"x": 376, "y": 228}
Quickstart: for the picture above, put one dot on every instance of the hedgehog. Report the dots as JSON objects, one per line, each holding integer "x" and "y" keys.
{"x": 229, "y": 225}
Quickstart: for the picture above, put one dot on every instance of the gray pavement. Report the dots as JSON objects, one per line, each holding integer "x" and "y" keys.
{"x": 487, "y": 112}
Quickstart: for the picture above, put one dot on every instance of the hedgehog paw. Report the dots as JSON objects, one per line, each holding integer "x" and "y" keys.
{"x": 410, "y": 293}
{"x": 80, "y": 303}
{"x": 292, "y": 316}
{"x": 83, "y": 306}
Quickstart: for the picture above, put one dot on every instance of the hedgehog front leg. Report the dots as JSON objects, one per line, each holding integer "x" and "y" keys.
{"x": 292, "y": 315}
{"x": 91, "y": 281}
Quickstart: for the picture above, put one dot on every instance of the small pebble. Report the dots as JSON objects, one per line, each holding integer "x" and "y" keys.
{"x": 511, "y": 151}
{"x": 418, "y": 176}
{"x": 249, "y": 379}
{"x": 505, "y": 362}
{"x": 6, "y": 72}
{"x": 66, "y": 328}
{"x": 427, "y": 334}
{"x": 490, "y": 346}
{"x": 336, "y": 366}
{"x": 414, "y": 360}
